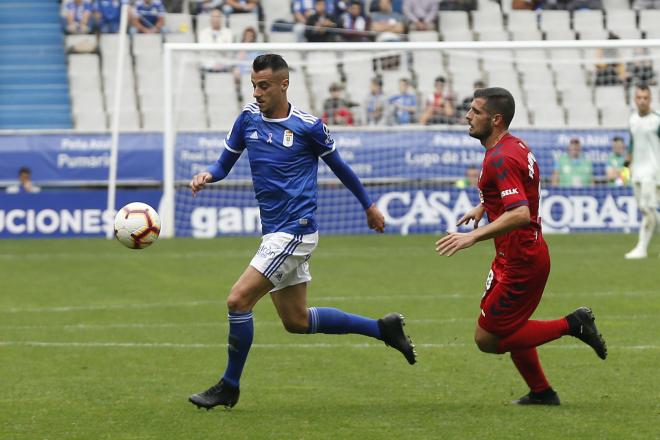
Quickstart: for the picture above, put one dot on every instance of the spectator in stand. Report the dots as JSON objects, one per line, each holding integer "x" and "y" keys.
{"x": 24, "y": 183}
{"x": 216, "y": 33}
{"x": 572, "y": 169}
{"x": 245, "y": 58}
{"x": 375, "y": 106}
{"x": 471, "y": 179}
{"x": 108, "y": 13}
{"x": 422, "y": 14}
{"x": 302, "y": 10}
{"x": 458, "y": 5}
{"x": 335, "y": 7}
{"x": 356, "y": 24}
{"x": 440, "y": 107}
{"x": 336, "y": 109}
{"x": 570, "y": 5}
{"x": 526, "y": 4}
{"x": 609, "y": 73}
{"x": 640, "y": 69}
{"x": 321, "y": 26}
{"x": 397, "y": 6}
{"x": 389, "y": 25}
{"x": 206, "y": 6}
{"x": 78, "y": 16}
{"x": 646, "y": 4}
{"x": 467, "y": 101}
{"x": 242, "y": 7}
{"x": 149, "y": 16}
{"x": 403, "y": 107}
{"x": 617, "y": 173}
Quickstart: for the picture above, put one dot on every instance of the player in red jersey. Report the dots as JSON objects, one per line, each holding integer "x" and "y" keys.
{"x": 509, "y": 193}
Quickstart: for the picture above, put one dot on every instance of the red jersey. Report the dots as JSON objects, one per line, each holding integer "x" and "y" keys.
{"x": 510, "y": 178}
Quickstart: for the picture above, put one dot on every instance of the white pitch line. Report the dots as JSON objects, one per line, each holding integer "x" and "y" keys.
{"x": 346, "y": 298}
{"x": 259, "y": 323}
{"x": 94, "y": 344}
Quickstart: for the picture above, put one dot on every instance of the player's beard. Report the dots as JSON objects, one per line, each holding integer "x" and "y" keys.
{"x": 483, "y": 133}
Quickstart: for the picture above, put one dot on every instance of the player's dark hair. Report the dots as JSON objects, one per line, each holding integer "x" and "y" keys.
{"x": 617, "y": 138}
{"x": 271, "y": 61}
{"x": 643, "y": 87}
{"x": 498, "y": 101}
{"x": 22, "y": 170}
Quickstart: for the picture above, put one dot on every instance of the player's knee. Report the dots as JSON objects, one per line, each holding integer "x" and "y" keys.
{"x": 298, "y": 324}
{"x": 237, "y": 301}
{"x": 485, "y": 343}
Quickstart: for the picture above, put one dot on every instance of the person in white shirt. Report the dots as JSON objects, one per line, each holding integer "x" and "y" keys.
{"x": 645, "y": 167}
{"x": 216, "y": 33}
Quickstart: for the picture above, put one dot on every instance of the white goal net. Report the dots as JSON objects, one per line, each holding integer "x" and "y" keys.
{"x": 396, "y": 111}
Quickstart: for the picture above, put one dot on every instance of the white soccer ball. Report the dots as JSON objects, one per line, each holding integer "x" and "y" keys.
{"x": 137, "y": 225}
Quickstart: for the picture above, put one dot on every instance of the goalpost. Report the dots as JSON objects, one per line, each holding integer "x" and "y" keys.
{"x": 563, "y": 89}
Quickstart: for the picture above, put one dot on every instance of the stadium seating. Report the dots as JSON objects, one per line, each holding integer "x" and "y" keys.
{"x": 33, "y": 79}
{"x": 534, "y": 77}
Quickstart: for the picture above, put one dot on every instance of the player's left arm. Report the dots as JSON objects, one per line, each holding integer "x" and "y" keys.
{"x": 323, "y": 145}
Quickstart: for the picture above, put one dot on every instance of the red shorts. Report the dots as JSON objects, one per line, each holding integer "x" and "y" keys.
{"x": 513, "y": 292}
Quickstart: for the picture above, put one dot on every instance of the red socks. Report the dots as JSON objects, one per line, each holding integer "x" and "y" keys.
{"x": 533, "y": 334}
{"x": 528, "y": 365}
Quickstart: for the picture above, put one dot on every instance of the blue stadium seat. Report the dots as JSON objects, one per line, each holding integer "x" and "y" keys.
{"x": 33, "y": 74}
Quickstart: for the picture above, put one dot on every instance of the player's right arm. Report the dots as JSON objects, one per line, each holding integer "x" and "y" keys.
{"x": 234, "y": 146}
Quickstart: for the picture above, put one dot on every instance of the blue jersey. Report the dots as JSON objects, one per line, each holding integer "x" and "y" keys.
{"x": 283, "y": 157}
{"x": 148, "y": 14}
{"x": 110, "y": 10}
{"x": 79, "y": 9}
{"x": 408, "y": 100}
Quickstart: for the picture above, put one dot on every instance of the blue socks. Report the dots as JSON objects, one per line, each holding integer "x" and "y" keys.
{"x": 321, "y": 320}
{"x": 241, "y": 332}
{"x": 336, "y": 322}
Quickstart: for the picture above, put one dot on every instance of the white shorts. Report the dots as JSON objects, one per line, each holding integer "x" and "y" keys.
{"x": 282, "y": 258}
{"x": 647, "y": 194}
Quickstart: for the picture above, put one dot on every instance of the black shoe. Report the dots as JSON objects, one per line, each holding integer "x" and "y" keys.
{"x": 583, "y": 327}
{"x": 219, "y": 394}
{"x": 391, "y": 331}
{"x": 546, "y": 397}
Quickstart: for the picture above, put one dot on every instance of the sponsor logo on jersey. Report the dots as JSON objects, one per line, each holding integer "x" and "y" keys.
{"x": 509, "y": 192}
{"x": 328, "y": 138}
{"x": 287, "y": 140}
{"x": 254, "y": 135}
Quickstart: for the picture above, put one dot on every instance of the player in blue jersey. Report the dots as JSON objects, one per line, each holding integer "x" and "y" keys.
{"x": 283, "y": 145}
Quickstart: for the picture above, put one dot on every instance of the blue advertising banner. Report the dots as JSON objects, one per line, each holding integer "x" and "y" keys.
{"x": 233, "y": 211}
{"x": 407, "y": 210}
{"x": 379, "y": 154}
{"x": 64, "y": 213}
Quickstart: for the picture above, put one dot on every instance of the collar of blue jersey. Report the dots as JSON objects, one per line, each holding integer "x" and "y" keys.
{"x": 280, "y": 119}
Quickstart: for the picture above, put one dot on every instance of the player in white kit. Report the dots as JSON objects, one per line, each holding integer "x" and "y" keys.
{"x": 645, "y": 167}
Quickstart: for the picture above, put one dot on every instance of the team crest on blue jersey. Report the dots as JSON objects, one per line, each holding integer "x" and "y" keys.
{"x": 287, "y": 140}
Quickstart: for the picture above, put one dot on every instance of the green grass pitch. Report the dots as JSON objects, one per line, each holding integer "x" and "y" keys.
{"x": 100, "y": 342}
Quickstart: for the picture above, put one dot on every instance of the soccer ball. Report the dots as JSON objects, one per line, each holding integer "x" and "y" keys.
{"x": 137, "y": 225}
